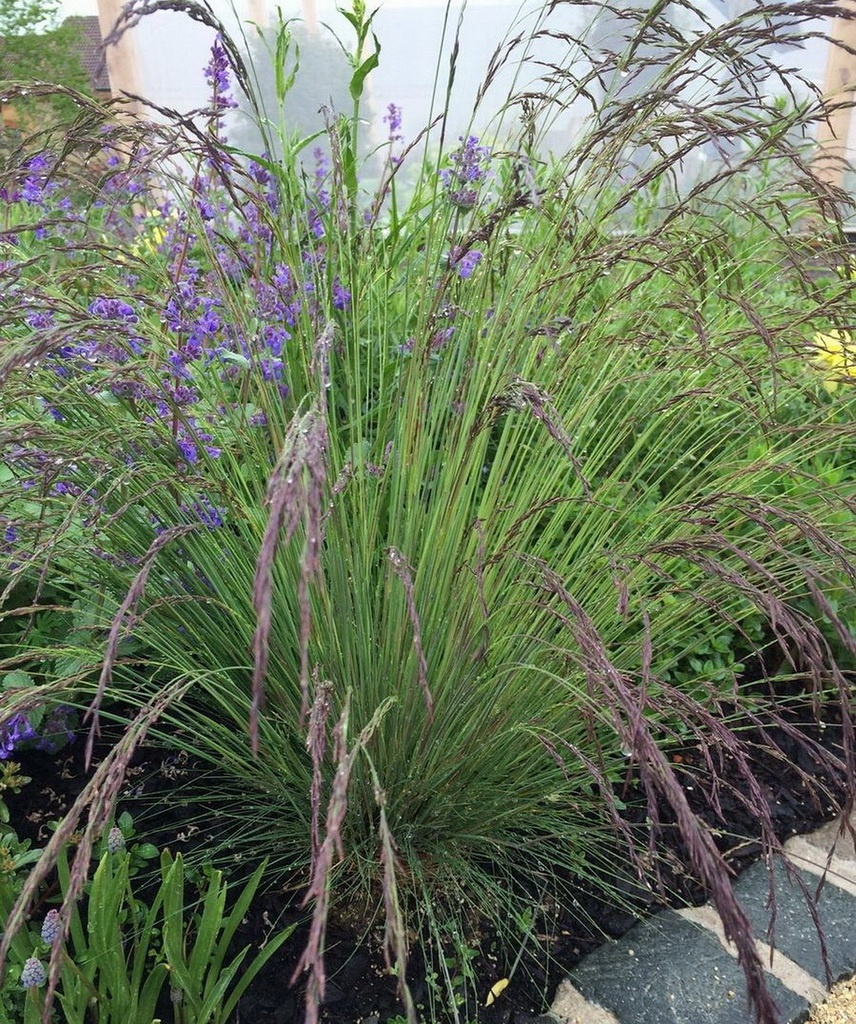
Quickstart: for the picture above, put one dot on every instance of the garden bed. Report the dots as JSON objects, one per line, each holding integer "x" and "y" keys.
{"x": 360, "y": 987}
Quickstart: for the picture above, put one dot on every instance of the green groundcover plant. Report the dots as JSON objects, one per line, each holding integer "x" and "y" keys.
{"x": 434, "y": 518}
{"x": 115, "y": 959}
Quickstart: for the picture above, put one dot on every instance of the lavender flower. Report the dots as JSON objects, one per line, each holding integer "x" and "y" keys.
{"x": 341, "y": 296}
{"x": 16, "y": 731}
{"x": 113, "y": 309}
{"x": 32, "y": 191}
{"x": 188, "y": 450}
{"x": 34, "y": 974}
{"x": 259, "y": 174}
{"x": 56, "y": 729}
{"x": 469, "y": 171}
{"x": 41, "y": 320}
{"x": 205, "y": 512}
{"x": 465, "y": 263}
{"x": 217, "y": 76}
{"x": 392, "y": 119}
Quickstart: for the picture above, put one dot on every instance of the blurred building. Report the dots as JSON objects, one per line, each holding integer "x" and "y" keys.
{"x": 163, "y": 57}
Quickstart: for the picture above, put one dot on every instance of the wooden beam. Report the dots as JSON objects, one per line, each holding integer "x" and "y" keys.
{"x": 839, "y": 85}
{"x": 123, "y": 63}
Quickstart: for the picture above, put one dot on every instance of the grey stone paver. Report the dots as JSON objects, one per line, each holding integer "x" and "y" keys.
{"x": 667, "y": 970}
{"x": 675, "y": 968}
{"x": 795, "y": 934}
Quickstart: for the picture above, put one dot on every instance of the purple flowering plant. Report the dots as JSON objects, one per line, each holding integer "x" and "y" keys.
{"x": 415, "y": 513}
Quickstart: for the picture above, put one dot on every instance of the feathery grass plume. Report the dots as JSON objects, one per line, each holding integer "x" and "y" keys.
{"x": 316, "y": 744}
{"x": 318, "y": 411}
{"x": 331, "y": 849}
{"x": 659, "y": 779}
{"x": 395, "y": 930}
{"x": 295, "y": 495}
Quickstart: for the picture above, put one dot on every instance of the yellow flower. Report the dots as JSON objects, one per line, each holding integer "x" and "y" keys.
{"x": 835, "y": 355}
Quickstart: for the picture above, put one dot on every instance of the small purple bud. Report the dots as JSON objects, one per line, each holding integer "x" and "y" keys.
{"x": 51, "y": 927}
{"x": 34, "y": 974}
{"x": 115, "y": 840}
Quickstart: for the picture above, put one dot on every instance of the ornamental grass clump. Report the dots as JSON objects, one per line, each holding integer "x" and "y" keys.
{"x": 437, "y": 521}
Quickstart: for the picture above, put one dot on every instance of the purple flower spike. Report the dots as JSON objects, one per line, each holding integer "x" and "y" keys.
{"x": 40, "y": 321}
{"x": 467, "y": 174}
{"x": 392, "y": 120}
{"x": 113, "y": 309}
{"x": 341, "y": 296}
{"x": 217, "y": 76}
{"x": 34, "y": 974}
{"x": 188, "y": 450}
{"x": 16, "y": 731}
{"x": 465, "y": 263}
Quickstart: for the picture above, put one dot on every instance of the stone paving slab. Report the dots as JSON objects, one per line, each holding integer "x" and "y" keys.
{"x": 795, "y": 934}
{"x": 667, "y": 970}
{"x": 676, "y": 968}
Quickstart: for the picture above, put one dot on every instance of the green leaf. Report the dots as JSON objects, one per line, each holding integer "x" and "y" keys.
{"x": 368, "y": 65}
{"x": 17, "y": 679}
{"x": 208, "y": 928}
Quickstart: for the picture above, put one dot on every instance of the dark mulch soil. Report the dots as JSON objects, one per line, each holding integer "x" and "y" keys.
{"x": 359, "y": 988}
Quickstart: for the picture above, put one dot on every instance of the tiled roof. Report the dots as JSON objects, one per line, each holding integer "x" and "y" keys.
{"x": 91, "y": 52}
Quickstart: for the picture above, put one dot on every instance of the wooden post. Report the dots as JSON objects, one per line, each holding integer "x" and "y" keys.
{"x": 839, "y": 85}
{"x": 123, "y": 64}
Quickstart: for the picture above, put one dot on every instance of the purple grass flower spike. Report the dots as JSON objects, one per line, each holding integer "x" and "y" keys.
{"x": 34, "y": 974}
{"x": 51, "y": 927}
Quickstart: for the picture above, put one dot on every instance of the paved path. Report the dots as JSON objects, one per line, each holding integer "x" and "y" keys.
{"x": 676, "y": 968}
